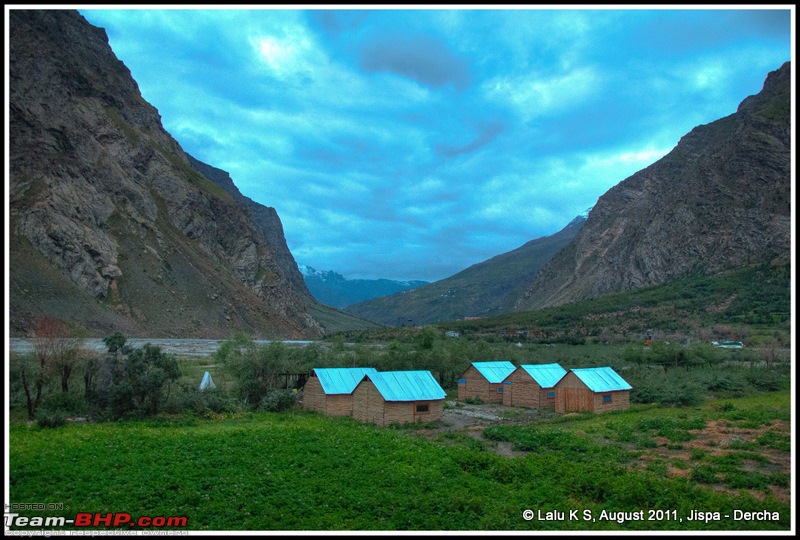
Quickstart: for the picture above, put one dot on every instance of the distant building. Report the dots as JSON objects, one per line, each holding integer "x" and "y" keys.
{"x": 484, "y": 380}
{"x": 532, "y": 385}
{"x": 330, "y": 390}
{"x": 400, "y": 397}
{"x": 728, "y": 344}
{"x": 592, "y": 389}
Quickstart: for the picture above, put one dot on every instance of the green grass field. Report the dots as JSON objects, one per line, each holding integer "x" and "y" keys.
{"x": 303, "y": 471}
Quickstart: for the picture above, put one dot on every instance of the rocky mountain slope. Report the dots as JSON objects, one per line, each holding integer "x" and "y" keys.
{"x": 488, "y": 288}
{"x": 112, "y": 226}
{"x": 720, "y": 200}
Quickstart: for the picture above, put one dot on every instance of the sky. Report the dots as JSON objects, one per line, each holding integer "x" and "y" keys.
{"x": 409, "y": 143}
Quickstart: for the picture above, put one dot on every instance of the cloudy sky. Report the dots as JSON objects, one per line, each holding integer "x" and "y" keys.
{"x": 413, "y": 143}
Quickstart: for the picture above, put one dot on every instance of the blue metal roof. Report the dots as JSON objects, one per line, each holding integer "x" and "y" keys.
{"x": 341, "y": 380}
{"x": 495, "y": 372}
{"x": 545, "y": 375}
{"x": 407, "y": 385}
{"x": 601, "y": 379}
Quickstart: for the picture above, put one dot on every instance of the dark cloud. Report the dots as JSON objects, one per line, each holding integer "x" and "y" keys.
{"x": 487, "y": 135}
{"x": 336, "y": 22}
{"x": 421, "y": 58}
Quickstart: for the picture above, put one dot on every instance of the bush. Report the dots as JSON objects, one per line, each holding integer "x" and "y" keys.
{"x": 66, "y": 402}
{"x": 279, "y": 401}
{"x": 682, "y": 395}
{"x": 50, "y": 419}
{"x": 196, "y": 402}
{"x": 766, "y": 380}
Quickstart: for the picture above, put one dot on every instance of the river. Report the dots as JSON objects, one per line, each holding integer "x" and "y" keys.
{"x": 180, "y": 347}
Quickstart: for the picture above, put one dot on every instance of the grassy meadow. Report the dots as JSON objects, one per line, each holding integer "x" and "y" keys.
{"x": 293, "y": 471}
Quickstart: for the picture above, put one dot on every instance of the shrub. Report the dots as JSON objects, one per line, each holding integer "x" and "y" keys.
{"x": 194, "y": 401}
{"x": 683, "y": 395}
{"x": 50, "y": 419}
{"x": 766, "y": 380}
{"x": 279, "y": 401}
{"x": 66, "y": 402}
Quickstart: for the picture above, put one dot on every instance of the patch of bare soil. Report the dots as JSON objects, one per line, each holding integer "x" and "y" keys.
{"x": 716, "y": 438}
{"x": 471, "y": 420}
{"x": 721, "y": 437}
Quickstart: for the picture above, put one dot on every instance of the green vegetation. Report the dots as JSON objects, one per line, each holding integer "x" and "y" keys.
{"x": 708, "y": 429}
{"x": 751, "y": 305}
{"x": 304, "y": 471}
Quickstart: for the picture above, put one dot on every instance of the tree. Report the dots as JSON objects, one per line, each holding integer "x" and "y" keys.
{"x": 48, "y": 344}
{"x": 256, "y": 369}
{"x": 147, "y": 370}
{"x": 668, "y": 354}
{"x": 116, "y": 344}
{"x": 131, "y": 379}
{"x": 26, "y": 371}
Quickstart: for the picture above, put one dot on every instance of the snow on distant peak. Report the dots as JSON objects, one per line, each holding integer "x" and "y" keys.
{"x": 585, "y": 213}
{"x": 306, "y": 270}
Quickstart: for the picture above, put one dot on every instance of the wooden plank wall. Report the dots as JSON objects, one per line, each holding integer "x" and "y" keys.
{"x": 369, "y": 406}
{"x": 368, "y": 403}
{"x": 523, "y": 390}
{"x": 476, "y": 386}
{"x": 573, "y": 395}
{"x": 315, "y": 399}
{"x": 313, "y": 396}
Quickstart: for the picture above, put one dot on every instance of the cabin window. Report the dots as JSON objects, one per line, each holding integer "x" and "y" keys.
{"x": 607, "y": 398}
{"x": 500, "y": 390}
{"x": 422, "y": 408}
{"x": 551, "y": 393}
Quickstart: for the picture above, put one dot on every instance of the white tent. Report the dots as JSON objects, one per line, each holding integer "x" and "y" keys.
{"x": 207, "y": 383}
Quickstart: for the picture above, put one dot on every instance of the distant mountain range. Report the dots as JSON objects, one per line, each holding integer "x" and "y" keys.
{"x": 338, "y": 291}
{"x": 488, "y": 288}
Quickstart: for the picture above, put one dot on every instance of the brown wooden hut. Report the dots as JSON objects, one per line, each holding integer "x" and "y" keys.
{"x": 592, "y": 389}
{"x": 484, "y": 380}
{"x": 390, "y": 397}
{"x": 532, "y": 385}
{"x": 330, "y": 390}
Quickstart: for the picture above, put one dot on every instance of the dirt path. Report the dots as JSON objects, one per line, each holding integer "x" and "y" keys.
{"x": 471, "y": 420}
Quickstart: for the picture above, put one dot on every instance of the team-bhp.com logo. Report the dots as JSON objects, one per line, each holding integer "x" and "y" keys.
{"x": 96, "y": 519}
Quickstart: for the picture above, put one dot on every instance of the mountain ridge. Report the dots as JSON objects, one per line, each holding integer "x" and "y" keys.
{"x": 112, "y": 228}
{"x": 726, "y": 185}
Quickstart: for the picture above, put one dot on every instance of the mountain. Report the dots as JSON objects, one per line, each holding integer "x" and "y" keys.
{"x": 264, "y": 218}
{"x": 112, "y": 226}
{"x": 720, "y": 200}
{"x": 484, "y": 289}
{"x": 338, "y": 291}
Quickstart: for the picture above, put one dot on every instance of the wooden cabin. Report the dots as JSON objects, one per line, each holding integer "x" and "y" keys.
{"x": 484, "y": 380}
{"x": 532, "y": 385}
{"x": 592, "y": 389}
{"x": 330, "y": 390}
{"x": 400, "y": 397}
